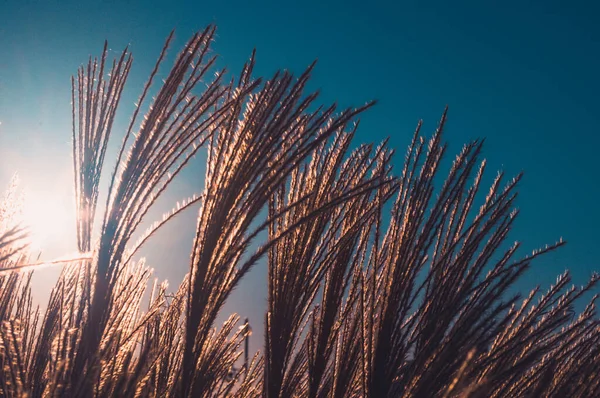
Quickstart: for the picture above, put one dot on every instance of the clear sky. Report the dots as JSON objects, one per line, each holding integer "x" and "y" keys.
{"x": 523, "y": 74}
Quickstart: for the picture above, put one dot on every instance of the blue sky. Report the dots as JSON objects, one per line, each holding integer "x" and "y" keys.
{"x": 523, "y": 74}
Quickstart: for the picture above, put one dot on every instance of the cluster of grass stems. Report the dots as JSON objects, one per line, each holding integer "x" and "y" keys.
{"x": 378, "y": 285}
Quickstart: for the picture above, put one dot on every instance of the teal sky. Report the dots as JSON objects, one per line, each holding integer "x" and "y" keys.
{"x": 523, "y": 74}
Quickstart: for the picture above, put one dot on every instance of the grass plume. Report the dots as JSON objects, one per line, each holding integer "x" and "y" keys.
{"x": 379, "y": 285}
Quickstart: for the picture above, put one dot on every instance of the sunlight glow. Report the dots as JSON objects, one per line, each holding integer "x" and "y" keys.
{"x": 49, "y": 221}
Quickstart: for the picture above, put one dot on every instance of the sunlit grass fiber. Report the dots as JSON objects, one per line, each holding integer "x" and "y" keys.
{"x": 363, "y": 301}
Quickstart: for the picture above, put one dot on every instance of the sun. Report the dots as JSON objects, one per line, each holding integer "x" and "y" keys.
{"x": 49, "y": 220}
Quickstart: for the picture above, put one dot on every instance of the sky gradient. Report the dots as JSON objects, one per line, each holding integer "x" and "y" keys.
{"x": 522, "y": 74}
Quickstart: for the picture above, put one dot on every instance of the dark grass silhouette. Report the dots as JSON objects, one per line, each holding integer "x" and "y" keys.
{"x": 361, "y": 302}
